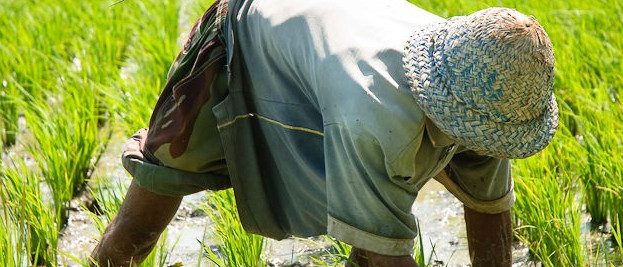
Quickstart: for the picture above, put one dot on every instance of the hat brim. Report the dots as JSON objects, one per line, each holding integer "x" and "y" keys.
{"x": 463, "y": 123}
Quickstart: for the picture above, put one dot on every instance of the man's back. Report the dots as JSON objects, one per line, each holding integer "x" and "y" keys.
{"x": 333, "y": 104}
{"x": 307, "y": 41}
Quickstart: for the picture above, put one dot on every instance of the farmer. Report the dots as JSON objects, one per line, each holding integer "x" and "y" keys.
{"x": 329, "y": 116}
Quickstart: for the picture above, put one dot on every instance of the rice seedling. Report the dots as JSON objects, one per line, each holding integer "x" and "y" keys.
{"x": 238, "y": 248}
{"x": 9, "y": 115}
{"x": 27, "y": 213}
{"x": 11, "y": 244}
{"x": 8, "y": 105}
{"x": 68, "y": 140}
{"x": 617, "y": 234}
{"x": 546, "y": 210}
{"x": 160, "y": 256}
{"x": 418, "y": 252}
{"x": 153, "y": 49}
{"x": 551, "y": 230}
{"x": 601, "y": 174}
{"x": 616, "y": 214}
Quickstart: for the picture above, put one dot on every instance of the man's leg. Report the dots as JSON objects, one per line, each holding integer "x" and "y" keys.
{"x": 363, "y": 258}
{"x": 489, "y": 238}
{"x": 135, "y": 230}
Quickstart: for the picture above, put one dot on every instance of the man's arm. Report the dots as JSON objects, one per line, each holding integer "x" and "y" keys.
{"x": 488, "y": 221}
{"x": 133, "y": 233}
{"x": 489, "y": 238}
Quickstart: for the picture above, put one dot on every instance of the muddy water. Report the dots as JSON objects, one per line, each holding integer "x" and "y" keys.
{"x": 441, "y": 224}
{"x": 440, "y": 216}
{"x": 443, "y": 229}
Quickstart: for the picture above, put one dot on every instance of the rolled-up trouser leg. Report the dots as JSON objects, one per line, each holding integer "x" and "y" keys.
{"x": 366, "y": 208}
{"x": 183, "y": 153}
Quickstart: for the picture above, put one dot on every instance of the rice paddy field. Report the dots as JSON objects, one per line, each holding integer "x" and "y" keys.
{"x": 78, "y": 77}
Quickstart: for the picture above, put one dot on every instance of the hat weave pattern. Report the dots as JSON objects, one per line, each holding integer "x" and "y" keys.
{"x": 486, "y": 80}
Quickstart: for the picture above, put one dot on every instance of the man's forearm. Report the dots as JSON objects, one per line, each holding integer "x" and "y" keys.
{"x": 135, "y": 230}
{"x": 489, "y": 238}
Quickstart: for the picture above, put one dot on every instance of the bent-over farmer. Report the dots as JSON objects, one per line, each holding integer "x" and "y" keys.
{"x": 327, "y": 117}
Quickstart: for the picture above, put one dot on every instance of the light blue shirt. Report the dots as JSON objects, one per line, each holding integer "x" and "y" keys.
{"x": 338, "y": 140}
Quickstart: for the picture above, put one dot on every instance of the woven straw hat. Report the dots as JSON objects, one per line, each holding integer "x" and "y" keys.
{"x": 486, "y": 81}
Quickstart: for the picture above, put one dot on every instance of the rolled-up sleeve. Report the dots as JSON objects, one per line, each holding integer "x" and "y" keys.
{"x": 481, "y": 182}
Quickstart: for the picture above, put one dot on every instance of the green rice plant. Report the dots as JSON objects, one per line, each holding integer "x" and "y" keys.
{"x": 617, "y": 234}
{"x": 546, "y": 210}
{"x": 593, "y": 180}
{"x": 605, "y": 147}
{"x": 103, "y": 46}
{"x": 601, "y": 144}
{"x": 550, "y": 222}
{"x": 11, "y": 242}
{"x": 149, "y": 58}
{"x": 90, "y": 38}
{"x": 68, "y": 142}
{"x": 418, "y": 252}
{"x": 237, "y": 248}
{"x": 548, "y": 216}
{"x": 36, "y": 34}
{"x": 616, "y": 213}
{"x": 35, "y": 219}
{"x": 8, "y": 115}
{"x": 8, "y": 105}
{"x": 8, "y": 93}
{"x": 101, "y": 51}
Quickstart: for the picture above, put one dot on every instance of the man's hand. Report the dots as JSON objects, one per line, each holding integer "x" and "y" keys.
{"x": 132, "y": 150}
{"x": 489, "y": 238}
